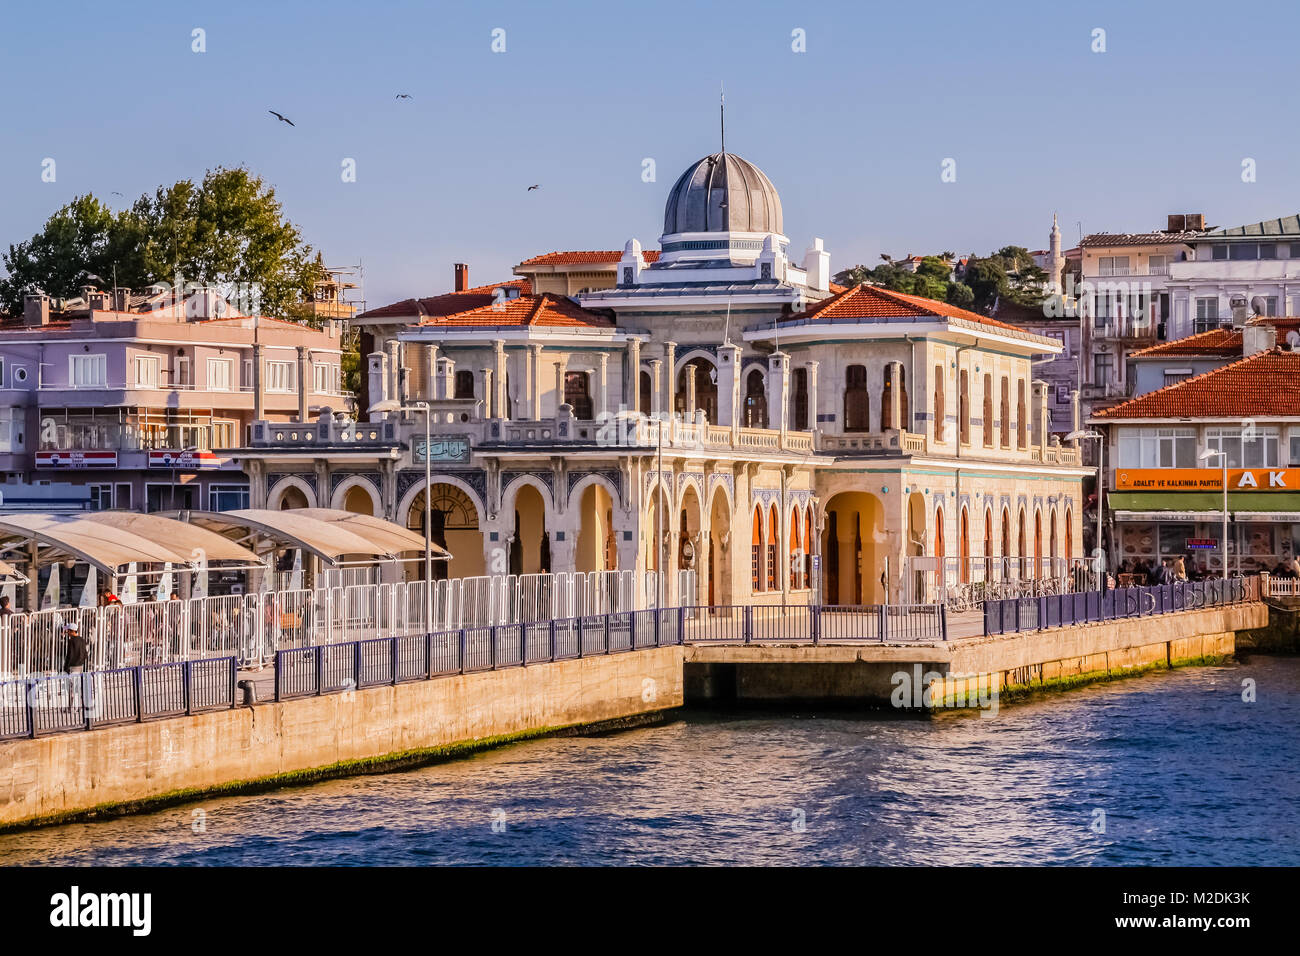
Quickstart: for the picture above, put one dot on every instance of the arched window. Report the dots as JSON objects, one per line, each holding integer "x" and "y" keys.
{"x": 963, "y": 545}
{"x": 796, "y": 562}
{"x": 1022, "y": 417}
{"x": 1069, "y": 533}
{"x": 1038, "y": 544}
{"x": 904, "y": 410}
{"x": 1004, "y": 420}
{"x": 939, "y": 550}
{"x": 988, "y": 410}
{"x": 647, "y": 393}
{"x": 1051, "y": 538}
{"x": 1004, "y": 564}
{"x": 773, "y": 522}
{"x": 706, "y": 388}
{"x": 577, "y": 395}
{"x": 988, "y": 544}
{"x": 810, "y": 544}
{"x": 857, "y": 402}
{"x": 755, "y": 400}
{"x": 887, "y": 400}
{"x": 801, "y": 416}
{"x": 963, "y": 407}
{"x": 1020, "y": 546}
{"x": 756, "y": 551}
{"x": 939, "y": 410}
{"x": 464, "y": 384}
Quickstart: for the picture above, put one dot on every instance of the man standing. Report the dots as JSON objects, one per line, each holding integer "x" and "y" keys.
{"x": 78, "y": 649}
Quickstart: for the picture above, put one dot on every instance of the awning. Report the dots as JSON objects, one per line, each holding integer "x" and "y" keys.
{"x": 381, "y": 533}
{"x": 1203, "y": 506}
{"x": 289, "y": 529}
{"x": 183, "y": 536}
{"x": 59, "y": 537}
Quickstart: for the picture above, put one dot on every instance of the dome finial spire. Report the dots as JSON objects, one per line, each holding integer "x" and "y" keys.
{"x": 722, "y": 115}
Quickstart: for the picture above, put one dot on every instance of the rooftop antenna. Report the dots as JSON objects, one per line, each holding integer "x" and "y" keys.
{"x": 722, "y": 115}
{"x": 726, "y": 334}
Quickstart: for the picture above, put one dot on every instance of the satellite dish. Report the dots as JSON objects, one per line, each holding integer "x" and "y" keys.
{"x": 1293, "y": 339}
{"x": 1258, "y": 305}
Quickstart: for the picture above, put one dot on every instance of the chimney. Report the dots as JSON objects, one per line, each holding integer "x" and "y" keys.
{"x": 1177, "y": 223}
{"x": 121, "y": 300}
{"x": 1256, "y": 338}
{"x": 99, "y": 301}
{"x": 462, "y": 277}
{"x": 36, "y": 310}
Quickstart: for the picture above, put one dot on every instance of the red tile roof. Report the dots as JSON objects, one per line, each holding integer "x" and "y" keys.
{"x": 1220, "y": 342}
{"x": 1263, "y": 385}
{"x": 874, "y": 302}
{"x": 547, "y": 311}
{"x": 585, "y": 257}
{"x": 1224, "y": 342}
{"x": 448, "y": 303}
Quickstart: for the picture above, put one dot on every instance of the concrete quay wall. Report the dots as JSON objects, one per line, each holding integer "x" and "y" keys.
{"x": 135, "y": 766}
{"x": 864, "y": 674}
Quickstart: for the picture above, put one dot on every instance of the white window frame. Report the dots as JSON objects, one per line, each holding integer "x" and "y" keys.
{"x": 214, "y": 385}
{"x": 97, "y": 491}
{"x": 97, "y": 361}
{"x": 1156, "y": 448}
{"x": 1260, "y": 451}
{"x": 143, "y": 362}
{"x": 325, "y": 378}
{"x": 1113, "y": 265}
{"x": 224, "y": 424}
{"x": 273, "y": 368}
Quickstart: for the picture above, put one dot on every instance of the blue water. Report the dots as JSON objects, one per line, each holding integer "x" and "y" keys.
{"x": 1184, "y": 770}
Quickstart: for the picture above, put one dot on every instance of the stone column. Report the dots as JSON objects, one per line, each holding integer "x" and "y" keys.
{"x": 393, "y": 349}
{"x": 446, "y": 378}
{"x": 305, "y": 382}
{"x": 656, "y": 368}
{"x": 499, "y": 379}
{"x": 602, "y": 387}
{"x": 895, "y": 410}
{"x": 778, "y": 391}
{"x": 690, "y": 396}
{"x": 431, "y": 374}
{"x": 632, "y": 385}
{"x": 728, "y": 385}
{"x": 485, "y": 377}
{"x": 813, "y": 395}
{"x": 561, "y": 367}
{"x": 1041, "y": 415}
{"x": 528, "y": 410}
{"x": 535, "y": 383}
{"x": 669, "y": 400}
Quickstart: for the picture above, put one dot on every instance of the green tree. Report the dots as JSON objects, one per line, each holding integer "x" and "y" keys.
{"x": 228, "y": 232}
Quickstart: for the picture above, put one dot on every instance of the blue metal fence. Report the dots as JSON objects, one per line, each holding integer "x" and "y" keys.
{"x": 1014, "y": 615}
{"x": 61, "y": 702}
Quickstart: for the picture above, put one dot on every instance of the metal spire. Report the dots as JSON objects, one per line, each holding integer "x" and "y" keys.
{"x": 722, "y": 115}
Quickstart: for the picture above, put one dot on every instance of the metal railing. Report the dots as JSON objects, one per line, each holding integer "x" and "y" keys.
{"x": 1088, "y": 607}
{"x": 252, "y": 627}
{"x": 63, "y": 702}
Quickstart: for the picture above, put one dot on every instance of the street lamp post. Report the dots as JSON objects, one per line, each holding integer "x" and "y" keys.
{"x": 1100, "y": 439}
{"x": 391, "y": 405}
{"x": 1223, "y": 542}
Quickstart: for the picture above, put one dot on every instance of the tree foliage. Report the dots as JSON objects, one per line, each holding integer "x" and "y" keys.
{"x": 227, "y": 232}
{"x": 1008, "y": 274}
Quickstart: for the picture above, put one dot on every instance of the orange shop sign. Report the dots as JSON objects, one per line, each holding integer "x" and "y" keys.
{"x": 1207, "y": 479}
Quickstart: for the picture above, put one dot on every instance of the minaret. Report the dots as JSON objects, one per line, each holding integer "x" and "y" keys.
{"x": 1055, "y": 260}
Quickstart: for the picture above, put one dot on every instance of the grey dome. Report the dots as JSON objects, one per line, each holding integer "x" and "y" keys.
{"x": 723, "y": 193}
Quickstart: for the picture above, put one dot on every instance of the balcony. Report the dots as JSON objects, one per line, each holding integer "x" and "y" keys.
{"x": 890, "y": 442}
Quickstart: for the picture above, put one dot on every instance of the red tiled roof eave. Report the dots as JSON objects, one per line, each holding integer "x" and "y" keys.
{"x": 1263, "y": 385}
{"x": 580, "y": 257}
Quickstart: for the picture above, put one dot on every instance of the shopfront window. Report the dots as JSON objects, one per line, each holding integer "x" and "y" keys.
{"x": 1157, "y": 448}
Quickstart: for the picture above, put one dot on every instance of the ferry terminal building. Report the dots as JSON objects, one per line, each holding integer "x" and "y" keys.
{"x": 715, "y": 405}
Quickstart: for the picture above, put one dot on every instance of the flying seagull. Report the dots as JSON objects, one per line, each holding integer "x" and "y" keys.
{"x": 282, "y": 119}
{"x": 405, "y": 96}
{"x": 531, "y": 188}
{"x": 116, "y": 193}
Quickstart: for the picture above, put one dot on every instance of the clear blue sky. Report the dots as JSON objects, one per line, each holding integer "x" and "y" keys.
{"x": 852, "y": 132}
